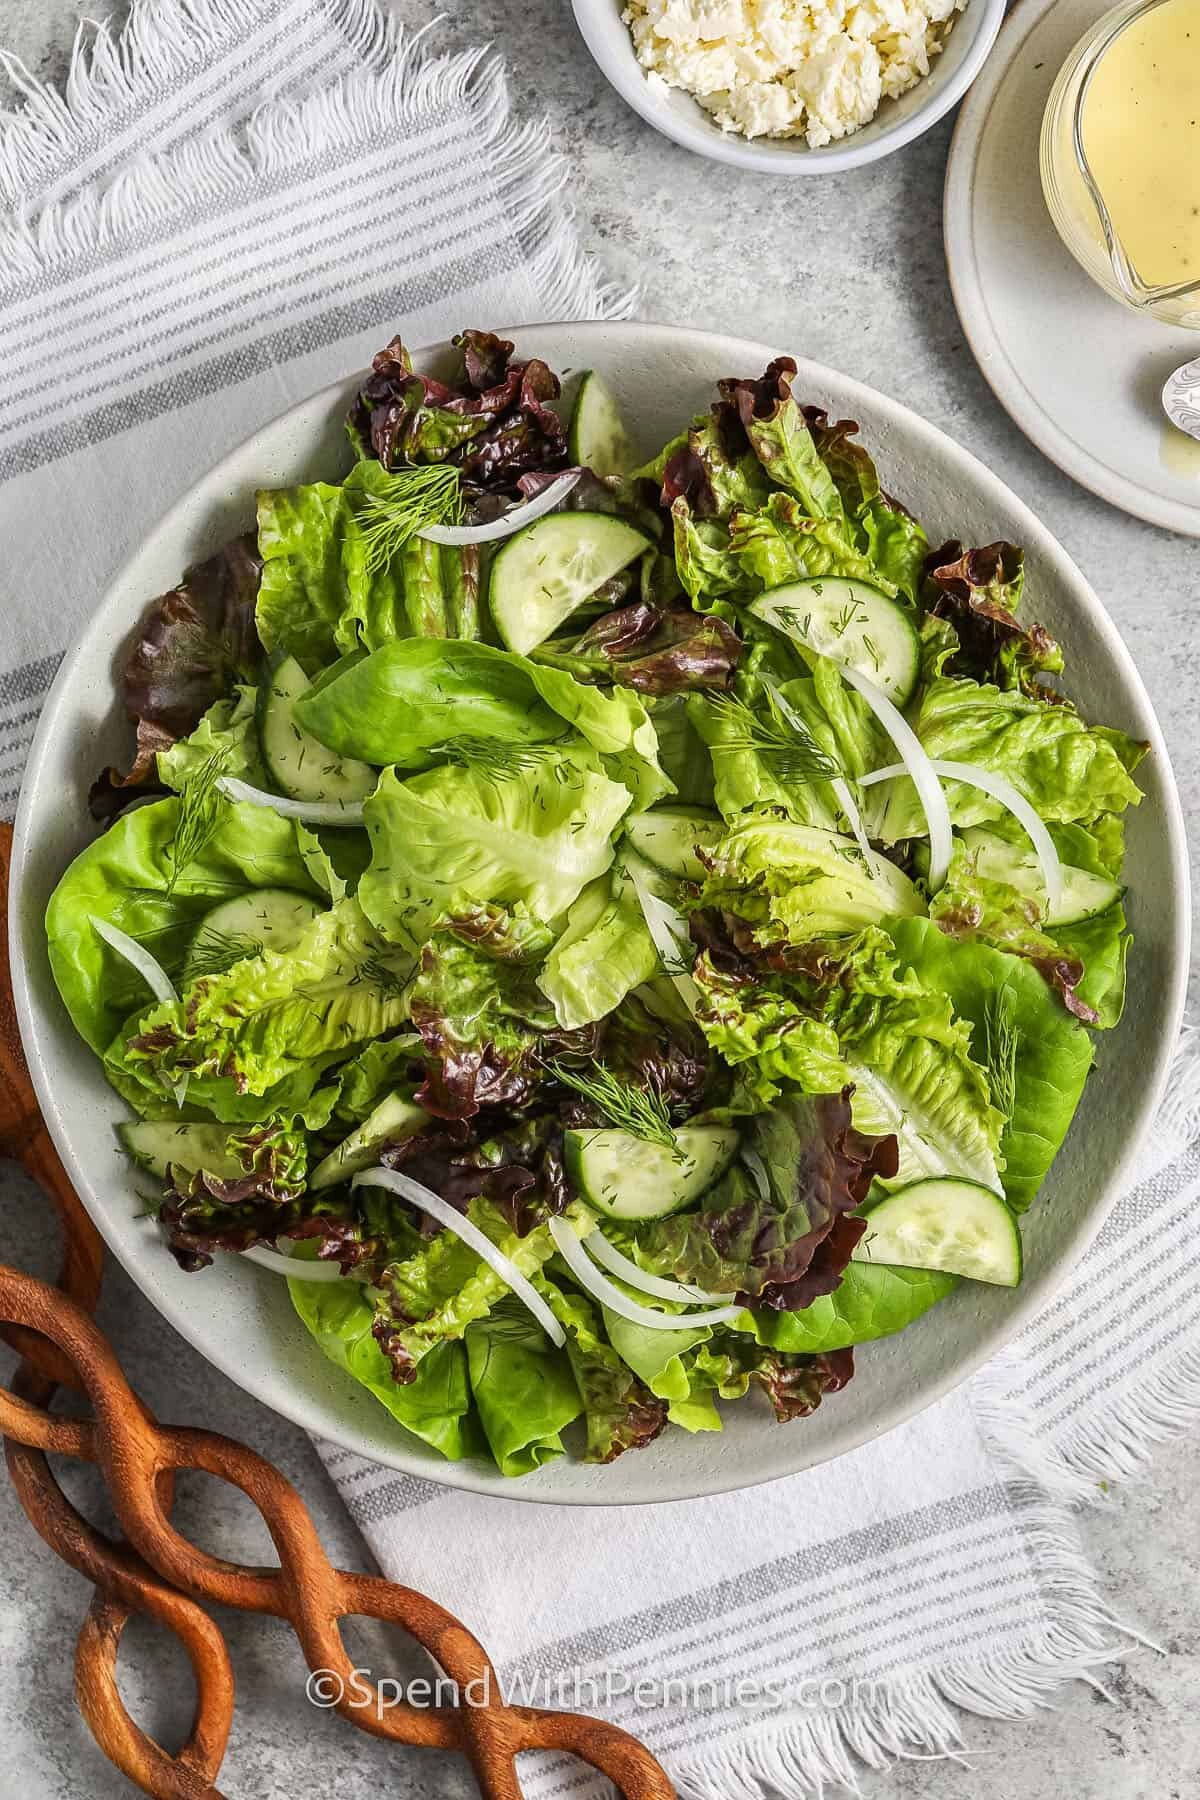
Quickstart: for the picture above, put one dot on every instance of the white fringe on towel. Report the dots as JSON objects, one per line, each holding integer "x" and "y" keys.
{"x": 405, "y": 89}
{"x": 115, "y": 76}
{"x": 920, "y": 1716}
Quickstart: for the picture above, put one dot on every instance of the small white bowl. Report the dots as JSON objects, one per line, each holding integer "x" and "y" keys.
{"x": 896, "y": 123}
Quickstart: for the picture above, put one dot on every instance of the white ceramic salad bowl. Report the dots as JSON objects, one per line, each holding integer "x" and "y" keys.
{"x": 240, "y": 1316}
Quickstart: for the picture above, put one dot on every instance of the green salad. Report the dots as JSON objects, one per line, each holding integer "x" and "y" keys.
{"x": 612, "y": 937}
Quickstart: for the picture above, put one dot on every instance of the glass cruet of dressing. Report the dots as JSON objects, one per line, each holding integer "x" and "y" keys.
{"x": 1120, "y": 156}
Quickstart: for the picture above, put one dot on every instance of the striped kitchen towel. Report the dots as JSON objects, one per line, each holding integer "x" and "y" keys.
{"x": 233, "y": 203}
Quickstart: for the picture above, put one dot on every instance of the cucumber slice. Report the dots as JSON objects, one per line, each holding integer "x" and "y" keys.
{"x": 540, "y": 575}
{"x": 263, "y": 919}
{"x": 298, "y": 763}
{"x": 628, "y": 1178}
{"x": 394, "y": 1118}
{"x": 668, "y": 837}
{"x": 597, "y": 438}
{"x": 849, "y": 622}
{"x": 156, "y": 1146}
{"x": 1083, "y": 894}
{"x": 946, "y": 1224}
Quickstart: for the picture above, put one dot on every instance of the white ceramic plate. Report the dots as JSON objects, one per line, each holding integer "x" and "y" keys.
{"x": 897, "y": 122}
{"x": 1080, "y": 374}
{"x": 240, "y": 1317}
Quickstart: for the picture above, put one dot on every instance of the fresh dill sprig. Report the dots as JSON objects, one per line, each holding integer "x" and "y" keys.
{"x": 199, "y": 816}
{"x": 641, "y": 1111}
{"x": 381, "y": 975}
{"x": 215, "y": 952}
{"x": 1001, "y": 1042}
{"x": 409, "y": 501}
{"x": 778, "y": 735}
{"x": 491, "y": 757}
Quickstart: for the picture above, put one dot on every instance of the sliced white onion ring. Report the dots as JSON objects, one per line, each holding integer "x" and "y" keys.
{"x": 917, "y": 764}
{"x": 1010, "y": 797}
{"x": 147, "y": 966}
{"x": 849, "y": 806}
{"x": 602, "y": 1289}
{"x": 419, "y": 1195}
{"x": 668, "y": 930}
{"x": 509, "y": 522}
{"x": 310, "y": 812}
{"x": 296, "y": 1268}
{"x": 607, "y": 1254}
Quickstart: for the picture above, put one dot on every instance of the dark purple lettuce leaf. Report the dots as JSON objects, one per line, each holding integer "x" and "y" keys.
{"x": 796, "y": 1385}
{"x": 784, "y": 1240}
{"x": 621, "y": 1413}
{"x": 759, "y": 399}
{"x": 736, "y": 954}
{"x": 496, "y": 424}
{"x": 979, "y": 592}
{"x": 203, "y": 1213}
{"x": 672, "y": 1060}
{"x": 714, "y": 468}
{"x": 479, "y": 1011}
{"x": 519, "y": 1167}
{"x": 194, "y": 644}
{"x": 591, "y": 493}
{"x": 654, "y": 651}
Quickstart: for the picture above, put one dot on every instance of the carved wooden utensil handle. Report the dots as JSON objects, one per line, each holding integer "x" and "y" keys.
{"x": 158, "y": 1572}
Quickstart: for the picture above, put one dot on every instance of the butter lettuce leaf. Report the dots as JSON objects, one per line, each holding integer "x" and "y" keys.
{"x": 301, "y": 609}
{"x": 435, "y": 1406}
{"x": 872, "y": 1300}
{"x": 321, "y": 597}
{"x": 127, "y": 877}
{"x": 454, "y": 835}
{"x": 433, "y": 1296}
{"x": 1037, "y": 1056}
{"x": 524, "y": 1389}
{"x": 282, "y": 1012}
{"x": 227, "y": 730}
{"x": 790, "y": 882}
{"x": 1070, "y": 772}
{"x": 395, "y": 705}
{"x": 600, "y": 957}
{"x": 970, "y": 906}
{"x": 782, "y": 543}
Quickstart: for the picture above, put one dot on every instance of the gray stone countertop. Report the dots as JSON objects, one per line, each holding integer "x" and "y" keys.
{"x": 848, "y": 270}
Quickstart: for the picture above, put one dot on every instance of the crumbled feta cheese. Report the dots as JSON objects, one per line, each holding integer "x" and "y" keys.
{"x": 816, "y": 69}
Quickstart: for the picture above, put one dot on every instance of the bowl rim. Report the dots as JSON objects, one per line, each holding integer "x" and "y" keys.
{"x": 774, "y": 156}
{"x": 269, "y": 1388}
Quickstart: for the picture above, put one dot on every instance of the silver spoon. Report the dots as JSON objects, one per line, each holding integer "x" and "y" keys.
{"x": 1181, "y": 398}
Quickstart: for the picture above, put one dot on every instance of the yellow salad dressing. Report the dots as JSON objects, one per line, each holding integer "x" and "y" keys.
{"x": 1141, "y": 135}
